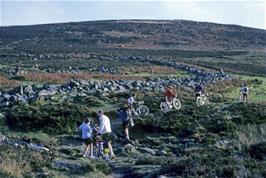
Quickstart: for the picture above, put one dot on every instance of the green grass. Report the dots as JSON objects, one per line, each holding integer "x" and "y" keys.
{"x": 257, "y": 92}
{"x": 38, "y": 136}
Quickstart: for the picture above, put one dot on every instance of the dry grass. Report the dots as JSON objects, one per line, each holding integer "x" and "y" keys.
{"x": 7, "y": 83}
{"x": 19, "y": 162}
{"x": 64, "y": 77}
{"x": 224, "y": 86}
{"x": 162, "y": 70}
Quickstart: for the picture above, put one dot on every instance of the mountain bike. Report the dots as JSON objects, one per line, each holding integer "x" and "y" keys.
{"x": 202, "y": 100}
{"x": 142, "y": 110}
{"x": 174, "y": 104}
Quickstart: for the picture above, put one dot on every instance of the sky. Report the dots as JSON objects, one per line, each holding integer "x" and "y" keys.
{"x": 240, "y": 12}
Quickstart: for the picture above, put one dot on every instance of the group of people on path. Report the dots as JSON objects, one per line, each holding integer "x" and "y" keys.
{"x": 101, "y": 137}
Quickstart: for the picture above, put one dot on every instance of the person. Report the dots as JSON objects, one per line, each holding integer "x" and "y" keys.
{"x": 244, "y": 92}
{"x": 169, "y": 94}
{"x": 199, "y": 90}
{"x": 131, "y": 100}
{"x": 126, "y": 116}
{"x": 105, "y": 130}
{"x": 87, "y": 137}
{"x": 222, "y": 72}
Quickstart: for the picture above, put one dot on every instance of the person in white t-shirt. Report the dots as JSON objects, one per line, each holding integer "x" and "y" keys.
{"x": 105, "y": 130}
{"x": 87, "y": 137}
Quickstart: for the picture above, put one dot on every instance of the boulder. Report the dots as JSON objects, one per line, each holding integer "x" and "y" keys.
{"x": 48, "y": 92}
{"x": 66, "y": 165}
{"x": 147, "y": 150}
{"x": 84, "y": 82}
{"x": 129, "y": 148}
{"x": 74, "y": 83}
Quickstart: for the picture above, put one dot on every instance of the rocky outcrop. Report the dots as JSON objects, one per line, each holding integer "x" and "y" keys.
{"x": 25, "y": 94}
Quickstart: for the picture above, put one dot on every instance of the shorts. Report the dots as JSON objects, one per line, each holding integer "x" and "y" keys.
{"x": 198, "y": 94}
{"x": 125, "y": 124}
{"x": 87, "y": 141}
{"x": 245, "y": 94}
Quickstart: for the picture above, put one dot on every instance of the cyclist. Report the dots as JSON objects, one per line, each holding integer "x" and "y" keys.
{"x": 199, "y": 90}
{"x": 169, "y": 95}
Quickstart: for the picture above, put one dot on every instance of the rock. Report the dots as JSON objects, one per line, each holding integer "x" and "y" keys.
{"x": 128, "y": 148}
{"x": 74, "y": 83}
{"x": 83, "y": 82}
{"x": 6, "y": 96}
{"x": 66, "y": 165}
{"x": 147, "y": 150}
{"x": 2, "y": 137}
{"x": 163, "y": 152}
{"x": 48, "y": 92}
{"x": 106, "y": 90}
{"x": 161, "y": 176}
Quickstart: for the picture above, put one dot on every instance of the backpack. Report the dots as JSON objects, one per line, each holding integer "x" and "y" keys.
{"x": 122, "y": 115}
{"x": 245, "y": 89}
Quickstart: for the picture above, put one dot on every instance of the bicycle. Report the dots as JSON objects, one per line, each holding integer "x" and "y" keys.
{"x": 202, "y": 100}
{"x": 102, "y": 150}
{"x": 142, "y": 110}
{"x": 166, "y": 107}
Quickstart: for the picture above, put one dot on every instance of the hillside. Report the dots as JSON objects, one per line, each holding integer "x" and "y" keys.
{"x": 54, "y": 76}
{"x": 58, "y": 46}
{"x": 132, "y": 34}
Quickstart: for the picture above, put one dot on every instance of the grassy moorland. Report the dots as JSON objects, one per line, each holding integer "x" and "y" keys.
{"x": 224, "y": 139}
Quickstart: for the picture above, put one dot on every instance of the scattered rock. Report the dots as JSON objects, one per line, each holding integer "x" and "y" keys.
{"x": 128, "y": 148}
{"x": 147, "y": 150}
{"x": 66, "y": 165}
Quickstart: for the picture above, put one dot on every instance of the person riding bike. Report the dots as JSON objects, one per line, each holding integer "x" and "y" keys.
{"x": 199, "y": 90}
{"x": 169, "y": 94}
{"x": 244, "y": 92}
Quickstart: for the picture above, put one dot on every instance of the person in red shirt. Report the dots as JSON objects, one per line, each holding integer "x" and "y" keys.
{"x": 169, "y": 94}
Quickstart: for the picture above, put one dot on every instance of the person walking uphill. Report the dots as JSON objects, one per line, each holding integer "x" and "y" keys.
{"x": 87, "y": 137}
{"x": 126, "y": 116}
{"x": 105, "y": 130}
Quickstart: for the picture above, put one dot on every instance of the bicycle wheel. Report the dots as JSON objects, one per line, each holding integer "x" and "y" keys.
{"x": 176, "y": 104}
{"x": 143, "y": 110}
{"x": 164, "y": 107}
{"x": 198, "y": 101}
{"x": 205, "y": 100}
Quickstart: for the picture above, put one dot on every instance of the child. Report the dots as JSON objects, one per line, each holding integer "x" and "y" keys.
{"x": 87, "y": 137}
